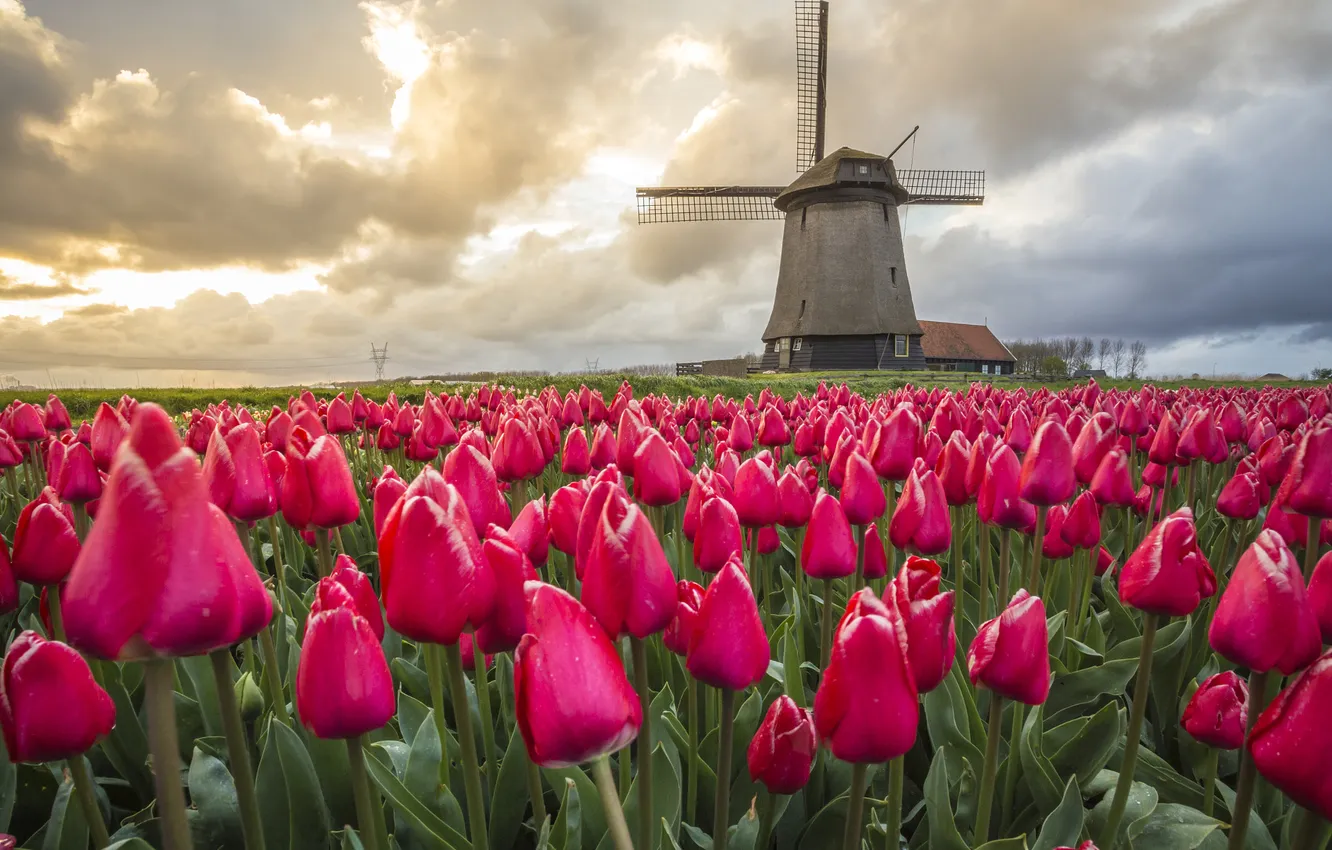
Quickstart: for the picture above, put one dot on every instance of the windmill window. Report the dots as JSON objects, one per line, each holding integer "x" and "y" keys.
{"x": 802, "y": 307}
{"x": 802, "y": 217}
{"x": 900, "y": 345}
{"x": 799, "y": 341}
{"x": 862, "y": 169}
{"x": 892, "y": 274}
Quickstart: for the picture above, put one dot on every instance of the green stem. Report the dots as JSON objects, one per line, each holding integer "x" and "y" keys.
{"x": 271, "y": 676}
{"x": 534, "y": 790}
{"x": 766, "y": 803}
{"x": 238, "y": 750}
{"x": 695, "y": 708}
{"x": 435, "y": 677}
{"x": 1084, "y": 599}
{"x": 721, "y": 820}
{"x": 1110, "y": 837}
{"x": 1209, "y": 782}
{"x": 860, "y": 558}
{"x": 1014, "y": 766}
{"x": 57, "y": 613}
{"x": 855, "y": 808}
{"x": 1188, "y": 486}
{"x": 92, "y": 813}
{"x": 164, "y": 745}
{"x": 826, "y": 638}
{"x": 1311, "y": 549}
{"x": 644, "y": 743}
{"x": 278, "y": 570}
{"x": 619, "y": 830}
{"x": 896, "y": 782}
{"x": 1005, "y": 564}
{"x": 993, "y": 734}
{"x": 483, "y": 707}
{"x": 1244, "y": 787}
{"x": 759, "y": 580}
{"x": 476, "y": 804}
{"x": 1037, "y": 547}
{"x": 365, "y": 817}
{"x": 325, "y": 556}
{"x": 984, "y": 538}
{"x": 955, "y": 556}
{"x": 81, "y": 523}
{"x": 889, "y": 551}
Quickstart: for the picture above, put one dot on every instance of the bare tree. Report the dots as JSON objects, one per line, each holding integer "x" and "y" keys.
{"x": 1083, "y": 356}
{"x": 1103, "y": 352}
{"x": 1117, "y": 356}
{"x": 1137, "y": 359}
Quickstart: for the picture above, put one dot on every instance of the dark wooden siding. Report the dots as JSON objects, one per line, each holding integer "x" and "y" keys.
{"x": 838, "y": 353}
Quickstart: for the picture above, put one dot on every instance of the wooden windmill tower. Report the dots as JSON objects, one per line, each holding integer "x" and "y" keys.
{"x": 843, "y": 299}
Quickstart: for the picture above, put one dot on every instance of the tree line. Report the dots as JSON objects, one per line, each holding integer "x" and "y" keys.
{"x": 1061, "y": 356}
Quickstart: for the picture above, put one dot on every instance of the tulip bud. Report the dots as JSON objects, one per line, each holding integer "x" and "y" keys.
{"x": 689, "y": 596}
{"x": 531, "y": 531}
{"x": 362, "y": 593}
{"x": 781, "y": 753}
{"x": 55, "y": 417}
{"x": 108, "y": 429}
{"x": 45, "y": 544}
{"x": 1082, "y": 525}
{"x": 343, "y": 685}
{"x": 829, "y": 550}
{"x": 1011, "y": 654}
{"x": 928, "y": 614}
{"x": 474, "y": 478}
{"x": 78, "y": 481}
{"x": 862, "y": 495}
{"x": 920, "y": 520}
{"x": 795, "y": 501}
{"x": 998, "y": 502}
{"x": 718, "y": 538}
{"x": 571, "y": 698}
{"x": 1053, "y": 545}
{"x": 628, "y": 584}
{"x": 512, "y": 570}
{"x": 866, "y": 707}
{"x": 162, "y": 571}
{"x": 876, "y": 559}
{"x": 755, "y": 498}
{"x": 1093, "y": 443}
{"x": 1242, "y": 497}
{"x": 894, "y": 449}
{"x": 1290, "y": 743}
{"x": 386, "y": 494}
{"x": 249, "y": 697}
{"x": 51, "y": 708}
{"x": 1264, "y": 618}
{"x": 1218, "y": 714}
{"x": 1047, "y": 470}
{"x": 317, "y": 488}
{"x": 566, "y": 507}
{"x": 1310, "y": 476}
{"x": 1168, "y": 574}
{"x": 727, "y": 646}
{"x": 1018, "y": 433}
{"x": 656, "y": 482}
{"x": 516, "y": 454}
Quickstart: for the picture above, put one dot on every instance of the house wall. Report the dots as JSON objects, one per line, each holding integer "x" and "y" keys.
{"x": 838, "y": 353}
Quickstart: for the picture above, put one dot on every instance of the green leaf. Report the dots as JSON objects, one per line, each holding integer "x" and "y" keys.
{"x": 1087, "y": 751}
{"x": 334, "y": 771}
{"x": 826, "y": 829}
{"x": 130, "y": 844}
{"x": 411, "y": 714}
{"x": 8, "y": 787}
{"x": 290, "y": 800}
{"x": 1142, "y": 801}
{"x": 421, "y": 776}
{"x": 795, "y": 686}
{"x": 1064, "y": 825}
{"x": 67, "y": 829}
{"x": 566, "y": 835}
{"x": 1039, "y": 773}
{"x": 213, "y": 793}
{"x": 743, "y": 834}
{"x": 939, "y": 806}
{"x": 127, "y": 745}
{"x": 1079, "y": 688}
{"x": 1174, "y": 827}
{"x": 198, "y": 670}
{"x": 747, "y": 720}
{"x": 1122, "y": 624}
{"x": 1017, "y": 843}
{"x": 510, "y": 796}
{"x": 665, "y": 794}
{"x": 412, "y": 678}
{"x": 946, "y": 720}
{"x": 352, "y": 841}
{"x": 594, "y": 816}
{"x": 432, "y": 831}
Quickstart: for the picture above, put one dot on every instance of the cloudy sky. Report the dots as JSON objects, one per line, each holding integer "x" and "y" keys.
{"x": 205, "y": 193}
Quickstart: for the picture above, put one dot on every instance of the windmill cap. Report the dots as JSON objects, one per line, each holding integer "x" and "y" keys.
{"x": 827, "y": 174}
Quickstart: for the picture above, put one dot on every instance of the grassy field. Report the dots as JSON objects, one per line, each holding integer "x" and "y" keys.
{"x": 82, "y": 403}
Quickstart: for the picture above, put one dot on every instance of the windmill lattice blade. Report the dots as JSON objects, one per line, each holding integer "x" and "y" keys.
{"x": 811, "y": 80}
{"x": 932, "y": 186}
{"x": 707, "y": 203}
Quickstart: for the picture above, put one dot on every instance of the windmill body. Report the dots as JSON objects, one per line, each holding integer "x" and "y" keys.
{"x": 843, "y": 297}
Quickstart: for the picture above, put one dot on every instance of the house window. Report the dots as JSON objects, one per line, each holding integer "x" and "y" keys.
{"x": 985, "y": 368}
{"x": 795, "y": 346}
{"x": 900, "y": 345}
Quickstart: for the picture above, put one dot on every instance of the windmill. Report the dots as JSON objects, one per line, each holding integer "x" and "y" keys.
{"x": 843, "y": 299}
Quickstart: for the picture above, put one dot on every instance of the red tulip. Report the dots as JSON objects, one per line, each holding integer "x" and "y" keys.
{"x": 781, "y": 753}
{"x": 78, "y": 480}
{"x": 1082, "y": 525}
{"x": 829, "y": 550}
{"x": 1242, "y": 497}
{"x": 603, "y": 447}
{"x": 1053, "y": 545}
{"x": 1218, "y": 714}
{"x": 1165, "y": 446}
{"x": 471, "y": 473}
{"x": 517, "y": 454}
{"x": 928, "y": 614}
{"x": 920, "y": 520}
{"x": 1320, "y": 595}
{"x": 795, "y": 501}
{"x": 339, "y": 418}
{"x": 862, "y": 494}
{"x": 54, "y": 415}
{"x": 512, "y": 570}
{"x": 728, "y": 647}
{"x": 998, "y": 503}
{"x": 1310, "y": 475}
{"x": 575, "y": 459}
{"x": 566, "y": 507}
{"x": 689, "y": 596}
{"x": 894, "y": 449}
{"x": 1018, "y": 433}
{"x": 628, "y": 584}
{"x": 1290, "y": 743}
{"x": 656, "y": 482}
{"x": 876, "y": 559}
{"x": 10, "y": 454}
{"x": 50, "y": 706}
{"x": 1264, "y": 618}
{"x": 865, "y": 707}
{"x": 1168, "y": 573}
{"x": 718, "y": 537}
{"x": 355, "y": 582}
{"x": 108, "y": 429}
{"x": 1011, "y": 654}
{"x": 741, "y": 438}
{"x": 772, "y": 429}
{"x": 25, "y": 423}
{"x": 952, "y": 469}
{"x": 755, "y": 498}
{"x": 161, "y": 572}
{"x": 387, "y": 493}
{"x": 386, "y": 439}
{"x": 343, "y": 685}
{"x": 237, "y": 475}
{"x": 1094, "y": 442}
{"x": 1291, "y": 412}
{"x": 317, "y": 489}
{"x": 434, "y": 578}
{"x": 45, "y": 545}
{"x": 531, "y": 531}
{"x": 1112, "y": 484}
{"x": 571, "y": 698}
{"x": 1047, "y": 470}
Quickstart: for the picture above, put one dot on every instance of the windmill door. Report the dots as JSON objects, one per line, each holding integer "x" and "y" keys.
{"x": 784, "y": 352}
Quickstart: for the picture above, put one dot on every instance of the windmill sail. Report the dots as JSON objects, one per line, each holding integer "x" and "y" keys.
{"x": 707, "y": 203}
{"x": 932, "y": 186}
{"x": 811, "y": 80}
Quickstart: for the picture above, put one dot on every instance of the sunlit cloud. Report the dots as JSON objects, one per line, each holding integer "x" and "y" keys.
{"x": 397, "y": 40}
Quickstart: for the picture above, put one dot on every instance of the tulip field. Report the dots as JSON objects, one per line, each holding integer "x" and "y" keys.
{"x": 944, "y": 618}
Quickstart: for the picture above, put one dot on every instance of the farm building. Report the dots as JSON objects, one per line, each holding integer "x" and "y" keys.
{"x": 955, "y": 347}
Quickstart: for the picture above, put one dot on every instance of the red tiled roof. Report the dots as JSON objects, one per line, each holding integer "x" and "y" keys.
{"x": 955, "y": 341}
